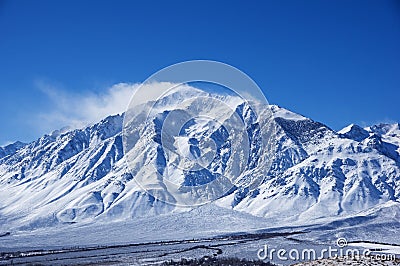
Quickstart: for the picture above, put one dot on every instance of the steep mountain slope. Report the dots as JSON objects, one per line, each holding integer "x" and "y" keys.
{"x": 307, "y": 172}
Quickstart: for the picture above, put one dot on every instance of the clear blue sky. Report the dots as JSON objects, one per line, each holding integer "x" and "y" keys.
{"x": 337, "y": 62}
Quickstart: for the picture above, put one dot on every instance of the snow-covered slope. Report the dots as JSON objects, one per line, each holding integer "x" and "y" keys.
{"x": 309, "y": 172}
{"x": 328, "y": 175}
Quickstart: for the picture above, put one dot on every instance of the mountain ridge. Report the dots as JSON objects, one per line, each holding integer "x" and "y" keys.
{"x": 316, "y": 172}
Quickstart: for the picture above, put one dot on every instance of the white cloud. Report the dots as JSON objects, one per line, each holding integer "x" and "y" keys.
{"x": 79, "y": 109}
{"x": 76, "y": 110}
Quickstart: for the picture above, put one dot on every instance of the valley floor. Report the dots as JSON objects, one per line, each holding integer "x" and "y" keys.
{"x": 208, "y": 231}
{"x": 164, "y": 252}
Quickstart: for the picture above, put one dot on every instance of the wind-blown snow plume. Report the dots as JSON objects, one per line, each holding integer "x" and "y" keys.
{"x": 76, "y": 110}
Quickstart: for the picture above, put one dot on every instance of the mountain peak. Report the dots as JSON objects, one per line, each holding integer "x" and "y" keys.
{"x": 384, "y": 128}
{"x": 11, "y": 148}
{"x": 108, "y": 127}
{"x": 58, "y": 132}
{"x": 354, "y": 132}
{"x": 285, "y": 113}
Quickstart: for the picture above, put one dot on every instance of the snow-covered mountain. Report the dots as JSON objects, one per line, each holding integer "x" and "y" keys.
{"x": 327, "y": 174}
{"x": 309, "y": 172}
{"x": 11, "y": 148}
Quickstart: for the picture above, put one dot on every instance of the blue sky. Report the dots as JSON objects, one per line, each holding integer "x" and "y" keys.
{"x": 337, "y": 62}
